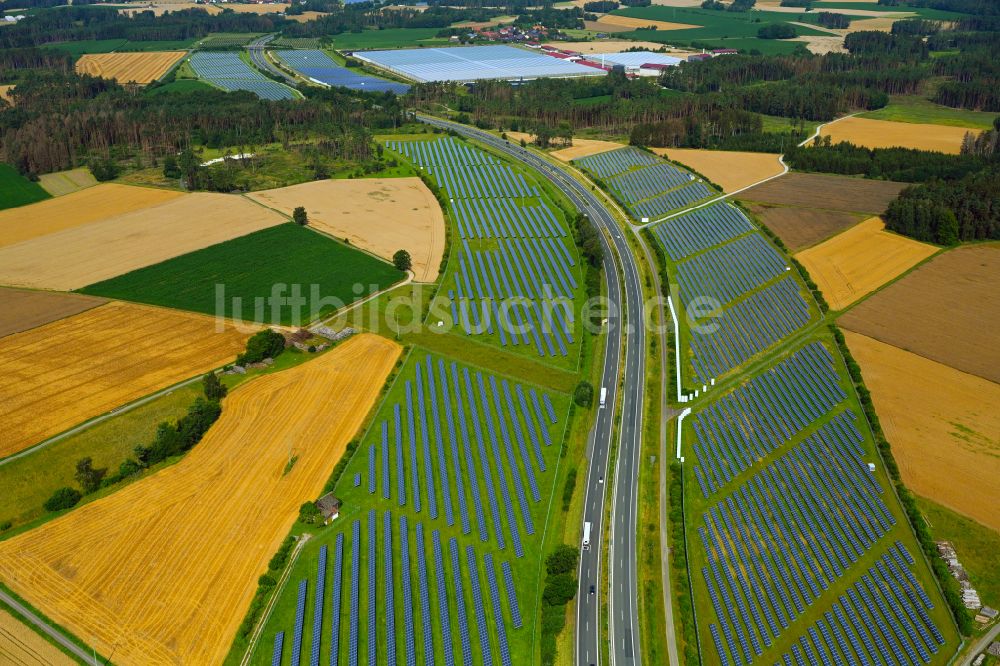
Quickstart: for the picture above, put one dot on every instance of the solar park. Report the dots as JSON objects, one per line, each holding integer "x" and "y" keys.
{"x": 321, "y": 68}
{"x": 798, "y": 551}
{"x": 434, "y": 556}
{"x": 229, "y": 72}
{"x": 515, "y": 276}
{"x": 648, "y": 186}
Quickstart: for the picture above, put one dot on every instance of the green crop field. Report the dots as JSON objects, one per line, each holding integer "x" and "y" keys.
{"x": 443, "y": 450}
{"x": 89, "y": 46}
{"x": 250, "y": 268}
{"x": 388, "y": 38}
{"x": 16, "y": 190}
{"x": 922, "y": 12}
{"x": 167, "y": 45}
{"x": 915, "y": 109}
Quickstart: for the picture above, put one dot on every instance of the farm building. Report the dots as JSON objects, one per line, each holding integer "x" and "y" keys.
{"x": 637, "y": 63}
{"x": 329, "y": 506}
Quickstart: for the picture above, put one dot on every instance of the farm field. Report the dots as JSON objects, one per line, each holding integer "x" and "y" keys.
{"x": 633, "y": 23}
{"x": 380, "y": 215}
{"x": 457, "y": 462}
{"x": 21, "y": 309}
{"x": 83, "y": 255}
{"x": 5, "y": 93}
{"x": 162, "y": 571}
{"x": 584, "y": 148}
{"x": 62, "y": 183}
{"x": 79, "y": 208}
{"x": 888, "y": 134}
{"x": 21, "y": 646}
{"x": 607, "y": 46}
{"x": 730, "y": 170}
{"x": 250, "y": 268}
{"x": 811, "y": 190}
{"x": 858, "y": 261}
{"x": 800, "y": 228}
{"x": 942, "y": 423}
{"x": 90, "y": 363}
{"x": 946, "y": 311}
{"x": 139, "y": 68}
{"x": 390, "y": 38}
{"x": 915, "y": 109}
{"x": 16, "y": 190}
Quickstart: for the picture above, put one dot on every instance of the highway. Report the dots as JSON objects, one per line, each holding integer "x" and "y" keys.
{"x": 256, "y": 50}
{"x": 624, "y": 323}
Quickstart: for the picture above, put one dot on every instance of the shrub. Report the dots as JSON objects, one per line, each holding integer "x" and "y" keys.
{"x": 583, "y": 395}
{"x": 568, "y": 488}
{"x": 265, "y": 344}
{"x": 214, "y": 389}
{"x": 562, "y": 560}
{"x": 64, "y": 498}
{"x": 5, "y": 525}
{"x": 559, "y": 589}
{"x": 309, "y": 514}
{"x": 299, "y": 216}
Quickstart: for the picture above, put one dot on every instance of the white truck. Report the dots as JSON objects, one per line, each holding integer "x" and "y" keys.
{"x": 604, "y": 396}
{"x": 586, "y": 535}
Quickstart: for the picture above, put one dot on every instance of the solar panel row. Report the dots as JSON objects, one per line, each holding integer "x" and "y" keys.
{"x": 319, "y": 67}
{"x": 228, "y": 71}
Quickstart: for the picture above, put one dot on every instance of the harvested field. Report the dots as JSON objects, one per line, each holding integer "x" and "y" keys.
{"x": 62, "y": 183}
{"x": 380, "y": 215}
{"x": 800, "y": 228}
{"x": 83, "y": 255}
{"x": 73, "y": 210}
{"x": 21, "y": 309}
{"x": 730, "y": 170}
{"x": 860, "y": 260}
{"x": 20, "y": 646}
{"x": 946, "y": 310}
{"x": 887, "y": 134}
{"x": 163, "y": 570}
{"x": 584, "y": 148}
{"x": 943, "y": 425}
{"x": 632, "y": 23}
{"x": 140, "y": 68}
{"x": 63, "y": 373}
{"x": 812, "y": 190}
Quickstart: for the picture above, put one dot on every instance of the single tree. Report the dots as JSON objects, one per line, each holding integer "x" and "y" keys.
{"x": 401, "y": 260}
{"x": 63, "y": 498}
{"x": 215, "y": 390}
{"x": 88, "y": 476}
{"x": 299, "y": 216}
{"x": 583, "y": 396}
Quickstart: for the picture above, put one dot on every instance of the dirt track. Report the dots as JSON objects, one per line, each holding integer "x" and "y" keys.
{"x": 381, "y": 215}
{"x": 61, "y": 374}
{"x": 21, "y": 309}
{"x": 943, "y": 425}
{"x": 947, "y": 310}
{"x": 856, "y": 262}
{"x": 163, "y": 571}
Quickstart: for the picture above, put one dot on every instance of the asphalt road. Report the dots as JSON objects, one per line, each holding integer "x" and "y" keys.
{"x": 622, "y": 588}
{"x": 256, "y": 51}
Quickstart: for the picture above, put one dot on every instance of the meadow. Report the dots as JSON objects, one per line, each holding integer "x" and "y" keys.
{"x": 394, "y": 38}
{"x": 16, "y": 190}
{"x": 916, "y": 109}
{"x": 249, "y": 267}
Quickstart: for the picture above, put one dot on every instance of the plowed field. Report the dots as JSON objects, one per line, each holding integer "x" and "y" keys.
{"x": 63, "y": 373}
{"x": 163, "y": 571}
{"x": 801, "y": 227}
{"x": 813, "y": 190}
{"x": 22, "y": 309}
{"x": 863, "y": 258}
{"x": 129, "y": 67}
{"x": 888, "y": 134}
{"x": 943, "y": 425}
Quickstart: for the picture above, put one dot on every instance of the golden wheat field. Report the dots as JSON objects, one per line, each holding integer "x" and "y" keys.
{"x": 856, "y": 262}
{"x": 943, "y": 425}
{"x": 584, "y": 148}
{"x": 79, "y": 208}
{"x": 20, "y": 646}
{"x": 631, "y": 23}
{"x": 730, "y": 170}
{"x": 84, "y": 254}
{"x": 889, "y": 134}
{"x": 163, "y": 571}
{"x": 380, "y": 215}
{"x": 63, "y": 373}
{"x": 129, "y": 67}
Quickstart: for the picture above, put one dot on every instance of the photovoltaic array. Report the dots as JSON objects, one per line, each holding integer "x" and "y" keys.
{"x": 318, "y": 66}
{"x": 515, "y": 279}
{"x": 228, "y": 71}
{"x": 648, "y": 186}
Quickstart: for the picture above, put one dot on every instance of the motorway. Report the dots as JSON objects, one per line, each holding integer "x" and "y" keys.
{"x": 624, "y": 321}
{"x": 256, "y": 51}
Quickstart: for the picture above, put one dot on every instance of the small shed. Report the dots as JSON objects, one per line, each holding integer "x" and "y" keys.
{"x": 329, "y": 507}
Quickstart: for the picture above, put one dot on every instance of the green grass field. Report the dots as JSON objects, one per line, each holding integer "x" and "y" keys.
{"x": 248, "y": 268}
{"x": 916, "y": 109}
{"x": 88, "y": 46}
{"x": 922, "y": 12}
{"x": 166, "y": 45}
{"x": 388, "y": 38}
{"x": 357, "y": 503}
{"x": 16, "y": 190}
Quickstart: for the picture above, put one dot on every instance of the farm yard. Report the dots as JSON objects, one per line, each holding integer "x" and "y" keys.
{"x": 85, "y": 365}
{"x": 21, "y": 646}
{"x": 21, "y": 309}
{"x": 730, "y": 170}
{"x": 250, "y": 270}
{"x": 858, "y": 261}
{"x": 942, "y": 423}
{"x": 799, "y": 228}
{"x": 228, "y": 72}
{"x": 888, "y": 134}
{"x": 83, "y": 254}
{"x": 161, "y": 571}
{"x": 820, "y": 191}
{"x": 141, "y": 68}
{"x": 380, "y": 215}
{"x": 62, "y": 183}
{"x": 79, "y": 208}
{"x": 946, "y": 311}
{"x": 515, "y": 279}
{"x": 436, "y": 550}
